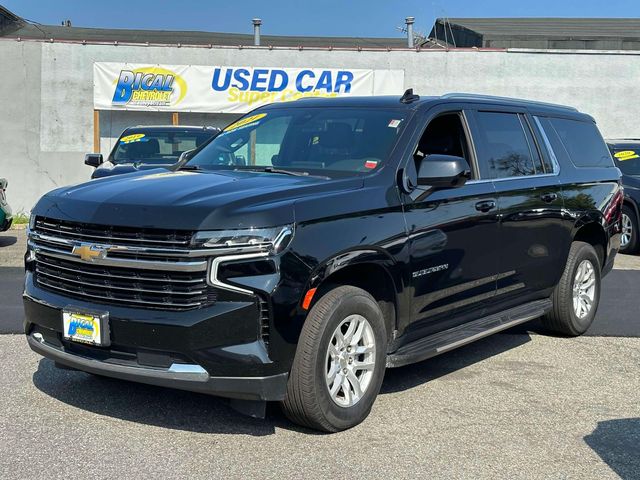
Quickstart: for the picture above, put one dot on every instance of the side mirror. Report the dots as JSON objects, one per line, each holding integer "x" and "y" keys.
{"x": 93, "y": 159}
{"x": 443, "y": 171}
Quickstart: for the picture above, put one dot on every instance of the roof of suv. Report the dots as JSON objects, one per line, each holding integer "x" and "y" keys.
{"x": 619, "y": 142}
{"x": 394, "y": 101}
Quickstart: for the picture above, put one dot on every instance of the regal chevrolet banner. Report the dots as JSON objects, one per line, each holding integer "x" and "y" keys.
{"x": 219, "y": 89}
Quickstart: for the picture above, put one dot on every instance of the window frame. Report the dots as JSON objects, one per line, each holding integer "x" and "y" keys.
{"x": 447, "y": 109}
{"x": 518, "y": 113}
{"x": 537, "y": 134}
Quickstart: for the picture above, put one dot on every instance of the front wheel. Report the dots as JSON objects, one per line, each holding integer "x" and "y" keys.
{"x": 340, "y": 362}
{"x": 576, "y": 297}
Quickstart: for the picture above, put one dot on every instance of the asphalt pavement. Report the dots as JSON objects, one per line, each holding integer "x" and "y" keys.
{"x": 515, "y": 405}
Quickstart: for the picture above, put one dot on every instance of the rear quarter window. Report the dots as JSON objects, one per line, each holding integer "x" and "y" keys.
{"x": 582, "y": 142}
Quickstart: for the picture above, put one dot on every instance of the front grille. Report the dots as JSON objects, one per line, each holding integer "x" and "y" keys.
{"x": 146, "y": 268}
{"x": 126, "y": 236}
{"x": 142, "y": 288}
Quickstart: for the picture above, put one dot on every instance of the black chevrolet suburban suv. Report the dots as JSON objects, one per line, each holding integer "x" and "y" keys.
{"x": 626, "y": 155}
{"x": 354, "y": 235}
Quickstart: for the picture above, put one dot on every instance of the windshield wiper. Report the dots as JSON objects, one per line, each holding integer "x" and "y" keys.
{"x": 286, "y": 172}
{"x": 283, "y": 172}
{"x": 190, "y": 167}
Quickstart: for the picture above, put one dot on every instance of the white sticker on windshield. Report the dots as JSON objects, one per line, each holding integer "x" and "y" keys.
{"x": 394, "y": 123}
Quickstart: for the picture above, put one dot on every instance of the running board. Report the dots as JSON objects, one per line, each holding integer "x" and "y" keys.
{"x": 441, "y": 342}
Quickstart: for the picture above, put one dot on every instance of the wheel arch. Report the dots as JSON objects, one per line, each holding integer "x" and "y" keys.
{"x": 366, "y": 269}
{"x": 593, "y": 233}
{"x": 630, "y": 202}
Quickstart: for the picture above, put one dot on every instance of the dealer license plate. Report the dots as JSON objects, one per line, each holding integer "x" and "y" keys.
{"x": 84, "y": 327}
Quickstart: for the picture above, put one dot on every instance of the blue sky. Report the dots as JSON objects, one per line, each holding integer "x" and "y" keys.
{"x": 302, "y": 17}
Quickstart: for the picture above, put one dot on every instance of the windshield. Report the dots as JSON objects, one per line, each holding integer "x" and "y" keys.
{"x": 628, "y": 161}
{"x": 157, "y": 147}
{"x": 316, "y": 140}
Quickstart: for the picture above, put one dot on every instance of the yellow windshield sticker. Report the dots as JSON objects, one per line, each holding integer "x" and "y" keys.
{"x": 136, "y": 137}
{"x": 626, "y": 155}
{"x": 243, "y": 122}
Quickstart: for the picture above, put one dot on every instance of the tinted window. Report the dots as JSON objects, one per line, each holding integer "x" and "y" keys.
{"x": 156, "y": 147}
{"x": 320, "y": 140}
{"x": 505, "y": 149}
{"x": 628, "y": 160}
{"x": 583, "y": 142}
{"x": 444, "y": 135}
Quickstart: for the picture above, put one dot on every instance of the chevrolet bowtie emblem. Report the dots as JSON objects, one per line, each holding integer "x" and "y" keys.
{"x": 89, "y": 252}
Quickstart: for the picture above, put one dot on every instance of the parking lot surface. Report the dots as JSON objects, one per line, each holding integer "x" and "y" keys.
{"x": 510, "y": 406}
{"x": 515, "y": 405}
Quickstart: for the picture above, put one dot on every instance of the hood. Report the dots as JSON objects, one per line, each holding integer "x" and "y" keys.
{"x": 188, "y": 200}
{"x": 108, "y": 169}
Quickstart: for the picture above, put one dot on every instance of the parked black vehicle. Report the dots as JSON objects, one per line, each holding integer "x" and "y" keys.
{"x": 149, "y": 147}
{"x": 626, "y": 154}
{"x": 364, "y": 233}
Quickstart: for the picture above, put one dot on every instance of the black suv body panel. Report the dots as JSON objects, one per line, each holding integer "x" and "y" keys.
{"x": 437, "y": 259}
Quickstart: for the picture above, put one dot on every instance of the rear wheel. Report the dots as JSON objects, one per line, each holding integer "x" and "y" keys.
{"x": 629, "y": 237}
{"x": 576, "y": 297}
{"x": 340, "y": 361}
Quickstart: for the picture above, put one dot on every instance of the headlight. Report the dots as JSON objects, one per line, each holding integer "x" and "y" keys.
{"x": 273, "y": 240}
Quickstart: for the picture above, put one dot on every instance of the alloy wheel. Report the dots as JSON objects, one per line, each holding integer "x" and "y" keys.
{"x": 627, "y": 231}
{"x": 350, "y": 360}
{"x": 584, "y": 289}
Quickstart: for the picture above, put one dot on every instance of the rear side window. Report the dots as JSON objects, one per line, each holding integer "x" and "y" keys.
{"x": 583, "y": 142}
{"x": 505, "y": 149}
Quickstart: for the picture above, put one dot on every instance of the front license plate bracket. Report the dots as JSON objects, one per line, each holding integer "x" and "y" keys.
{"x": 87, "y": 327}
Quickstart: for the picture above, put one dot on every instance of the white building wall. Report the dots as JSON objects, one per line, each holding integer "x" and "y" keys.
{"x": 46, "y": 94}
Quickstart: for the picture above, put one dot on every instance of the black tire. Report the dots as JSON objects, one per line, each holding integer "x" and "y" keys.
{"x": 634, "y": 243}
{"x": 308, "y": 401}
{"x": 563, "y": 318}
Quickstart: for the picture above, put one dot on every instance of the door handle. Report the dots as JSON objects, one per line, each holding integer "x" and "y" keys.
{"x": 549, "y": 197}
{"x": 486, "y": 205}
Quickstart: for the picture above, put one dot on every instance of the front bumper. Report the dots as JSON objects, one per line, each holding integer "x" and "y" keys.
{"x": 216, "y": 350}
{"x": 184, "y": 377}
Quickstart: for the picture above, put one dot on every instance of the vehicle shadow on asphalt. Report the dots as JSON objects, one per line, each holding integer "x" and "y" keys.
{"x": 617, "y": 442}
{"x": 7, "y": 240}
{"x": 175, "y": 409}
{"x": 150, "y": 405}
{"x": 404, "y": 378}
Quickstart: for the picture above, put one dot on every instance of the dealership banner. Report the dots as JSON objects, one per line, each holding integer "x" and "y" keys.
{"x": 220, "y": 89}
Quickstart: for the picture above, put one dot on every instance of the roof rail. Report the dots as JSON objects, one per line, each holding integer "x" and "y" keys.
{"x": 473, "y": 96}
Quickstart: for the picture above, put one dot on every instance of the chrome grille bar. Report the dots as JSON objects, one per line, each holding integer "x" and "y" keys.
{"x": 93, "y": 296}
{"x": 39, "y": 271}
{"x": 111, "y": 234}
{"x": 134, "y": 275}
{"x": 186, "y": 266}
